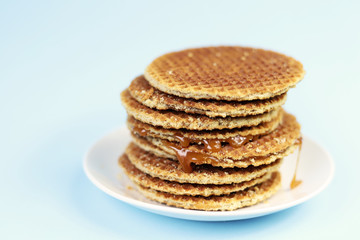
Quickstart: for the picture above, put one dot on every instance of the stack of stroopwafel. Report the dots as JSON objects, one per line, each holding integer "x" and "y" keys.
{"x": 208, "y": 129}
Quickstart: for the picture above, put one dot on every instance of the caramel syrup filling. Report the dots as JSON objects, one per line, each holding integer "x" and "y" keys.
{"x": 294, "y": 182}
{"x": 186, "y": 157}
{"x": 214, "y": 145}
{"x": 141, "y": 131}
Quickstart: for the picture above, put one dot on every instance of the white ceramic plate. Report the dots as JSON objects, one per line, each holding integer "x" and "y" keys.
{"x": 315, "y": 169}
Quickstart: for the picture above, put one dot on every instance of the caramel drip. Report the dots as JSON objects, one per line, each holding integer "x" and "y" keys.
{"x": 141, "y": 131}
{"x": 239, "y": 141}
{"x": 294, "y": 182}
{"x": 184, "y": 141}
{"x": 211, "y": 145}
{"x": 186, "y": 157}
{"x": 214, "y": 145}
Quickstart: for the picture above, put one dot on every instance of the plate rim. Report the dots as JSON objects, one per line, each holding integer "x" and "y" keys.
{"x": 171, "y": 211}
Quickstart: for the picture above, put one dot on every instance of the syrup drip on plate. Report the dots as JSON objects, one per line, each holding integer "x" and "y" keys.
{"x": 294, "y": 182}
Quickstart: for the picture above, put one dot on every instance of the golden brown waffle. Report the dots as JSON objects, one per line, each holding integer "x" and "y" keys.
{"x": 284, "y": 136}
{"x": 206, "y": 190}
{"x": 151, "y": 97}
{"x": 225, "y": 162}
{"x": 224, "y": 73}
{"x": 236, "y": 200}
{"x": 177, "y": 120}
{"x": 168, "y": 134}
{"x": 170, "y": 170}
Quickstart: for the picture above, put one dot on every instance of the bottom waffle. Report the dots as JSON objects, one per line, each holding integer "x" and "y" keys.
{"x": 228, "y": 202}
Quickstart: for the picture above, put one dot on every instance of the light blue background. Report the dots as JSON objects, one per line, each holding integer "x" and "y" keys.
{"x": 63, "y": 65}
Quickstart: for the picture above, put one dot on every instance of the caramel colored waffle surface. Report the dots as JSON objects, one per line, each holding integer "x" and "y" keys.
{"x": 236, "y": 200}
{"x": 143, "y": 92}
{"x": 224, "y": 73}
{"x": 177, "y": 120}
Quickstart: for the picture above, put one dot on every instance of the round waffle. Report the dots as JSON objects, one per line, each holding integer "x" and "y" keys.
{"x": 143, "y": 92}
{"x": 205, "y": 190}
{"x": 284, "y": 136}
{"x": 169, "y": 134}
{"x": 224, "y": 163}
{"x": 175, "y": 119}
{"x": 247, "y": 197}
{"x": 224, "y": 73}
{"x": 170, "y": 170}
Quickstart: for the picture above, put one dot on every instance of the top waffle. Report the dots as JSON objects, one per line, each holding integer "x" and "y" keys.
{"x": 224, "y": 73}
